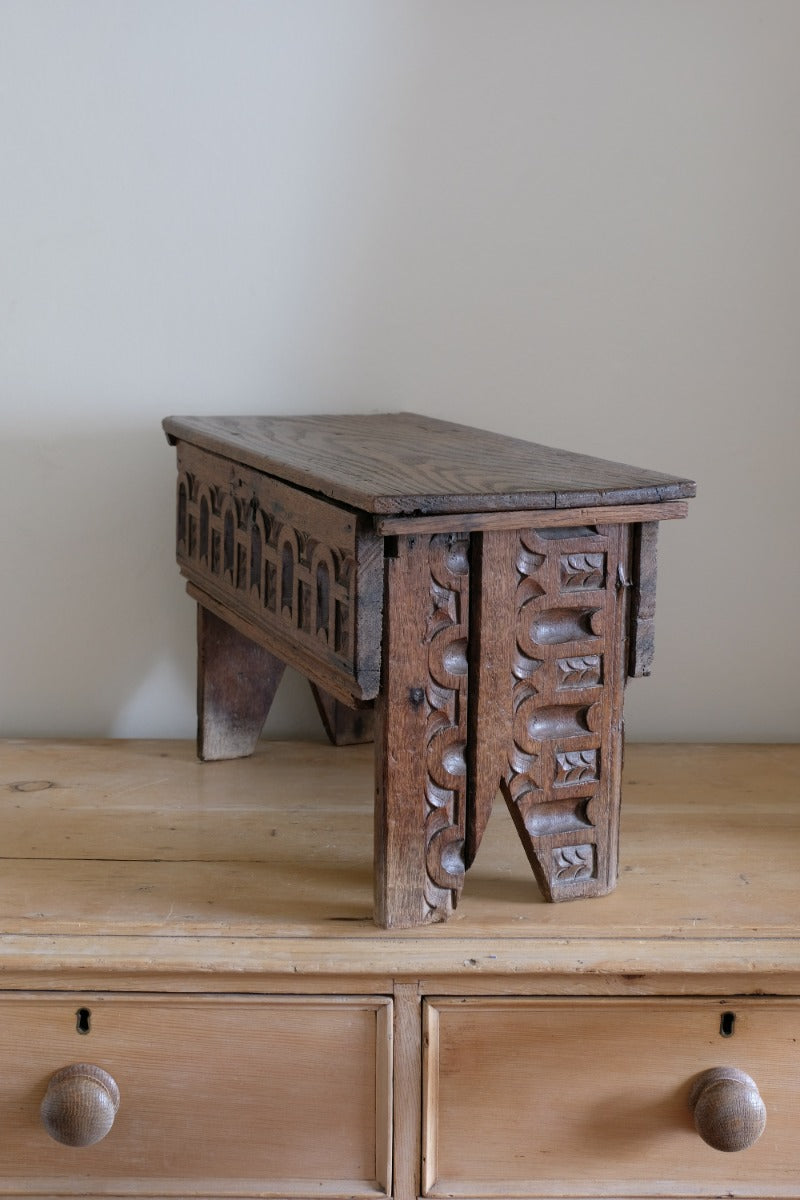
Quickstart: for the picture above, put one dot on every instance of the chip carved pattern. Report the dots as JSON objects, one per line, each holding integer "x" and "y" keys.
{"x": 276, "y": 572}
{"x": 583, "y": 671}
{"x": 576, "y": 766}
{"x": 572, "y": 863}
{"x": 446, "y": 723}
{"x": 580, "y": 571}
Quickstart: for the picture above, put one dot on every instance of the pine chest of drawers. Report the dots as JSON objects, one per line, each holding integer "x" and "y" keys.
{"x": 165, "y": 928}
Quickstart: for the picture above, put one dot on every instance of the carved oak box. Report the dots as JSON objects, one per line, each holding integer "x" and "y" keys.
{"x": 473, "y": 601}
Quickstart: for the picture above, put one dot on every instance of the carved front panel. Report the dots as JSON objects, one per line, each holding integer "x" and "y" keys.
{"x": 302, "y": 572}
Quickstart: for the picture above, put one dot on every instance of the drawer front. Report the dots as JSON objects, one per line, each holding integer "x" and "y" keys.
{"x": 591, "y": 1098}
{"x": 304, "y": 574}
{"x": 218, "y": 1096}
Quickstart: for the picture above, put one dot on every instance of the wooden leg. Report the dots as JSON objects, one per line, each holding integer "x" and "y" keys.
{"x": 421, "y": 730}
{"x": 344, "y": 726}
{"x": 552, "y": 627}
{"x": 236, "y": 684}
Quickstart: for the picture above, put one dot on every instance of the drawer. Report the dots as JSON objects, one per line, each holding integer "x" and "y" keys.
{"x": 226, "y": 1096}
{"x": 590, "y": 1097}
{"x": 298, "y": 573}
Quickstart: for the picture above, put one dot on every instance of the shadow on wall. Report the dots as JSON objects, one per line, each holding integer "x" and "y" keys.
{"x": 98, "y": 637}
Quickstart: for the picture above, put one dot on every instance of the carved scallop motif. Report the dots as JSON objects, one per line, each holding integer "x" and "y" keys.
{"x": 583, "y": 671}
{"x": 576, "y": 766}
{"x": 571, "y": 863}
{"x": 580, "y": 572}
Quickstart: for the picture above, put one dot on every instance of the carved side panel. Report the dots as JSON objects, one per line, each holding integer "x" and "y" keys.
{"x": 562, "y": 778}
{"x": 299, "y": 570}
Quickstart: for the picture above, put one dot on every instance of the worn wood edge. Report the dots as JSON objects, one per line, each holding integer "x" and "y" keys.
{"x": 264, "y": 963}
{"x": 645, "y": 493}
{"x": 340, "y": 685}
{"x": 618, "y": 985}
{"x": 533, "y": 518}
{"x": 135, "y": 982}
{"x": 87, "y": 979}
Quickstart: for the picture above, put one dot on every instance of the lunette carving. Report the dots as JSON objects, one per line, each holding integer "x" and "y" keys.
{"x": 274, "y": 566}
{"x": 291, "y": 565}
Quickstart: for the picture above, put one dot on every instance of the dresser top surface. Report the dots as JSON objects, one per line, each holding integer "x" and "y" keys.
{"x": 403, "y": 463}
{"x": 133, "y": 857}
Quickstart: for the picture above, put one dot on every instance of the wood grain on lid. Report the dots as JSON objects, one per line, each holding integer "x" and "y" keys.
{"x": 406, "y": 463}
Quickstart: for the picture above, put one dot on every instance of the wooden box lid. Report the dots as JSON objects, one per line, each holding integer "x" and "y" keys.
{"x": 403, "y": 463}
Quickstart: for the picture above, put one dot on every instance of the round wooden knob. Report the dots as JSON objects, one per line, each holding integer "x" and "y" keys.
{"x": 729, "y": 1113}
{"x": 80, "y": 1104}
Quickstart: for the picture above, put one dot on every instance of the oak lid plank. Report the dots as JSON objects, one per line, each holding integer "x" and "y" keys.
{"x": 404, "y": 463}
{"x": 138, "y": 854}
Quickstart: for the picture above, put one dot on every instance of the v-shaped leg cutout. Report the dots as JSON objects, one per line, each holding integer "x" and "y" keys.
{"x": 548, "y": 670}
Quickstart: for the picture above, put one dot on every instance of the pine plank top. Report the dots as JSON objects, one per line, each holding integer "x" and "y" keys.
{"x": 131, "y": 860}
{"x": 403, "y": 463}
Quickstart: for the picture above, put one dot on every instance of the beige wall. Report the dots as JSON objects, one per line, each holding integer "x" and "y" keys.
{"x": 572, "y": 220}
